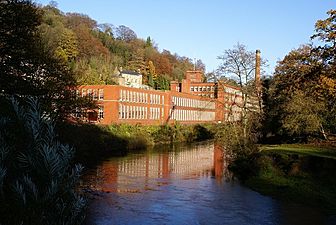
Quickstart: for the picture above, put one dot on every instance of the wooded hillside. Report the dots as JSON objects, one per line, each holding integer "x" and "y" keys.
{"x": 95, "y": 52}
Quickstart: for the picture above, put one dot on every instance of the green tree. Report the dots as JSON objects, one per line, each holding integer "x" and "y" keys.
{"x": 149, "y": 42}
{"x": 303, "y": 115}
{"x": 37, "y": 183}
{"x": 162, "y": 82}
{"x": 94, "y": 70}
{"x": 26, "y": 68}
{"x": 151, "y": 81}
{"x": 297, "y": 74}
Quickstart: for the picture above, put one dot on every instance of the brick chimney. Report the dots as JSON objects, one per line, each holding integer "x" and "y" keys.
{"x": 257, "y": 73}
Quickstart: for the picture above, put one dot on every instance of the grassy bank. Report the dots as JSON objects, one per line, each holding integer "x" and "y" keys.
{"x": 310, "y": 150}
{"x": 299, "y": 173}
{"x": 93, "y": 142}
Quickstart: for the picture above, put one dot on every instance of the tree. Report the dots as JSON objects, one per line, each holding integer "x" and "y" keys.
{"x": 56, "y": 38}
{"x": 239, "y": 64}
{"x": 149, "y": 42}
{"x": 325, "y": 31}
{"x": 303, "y": 115}
{"x": 125, "y": 33}
{"x": 295, "y": 75}
{"x": 94, "y": 70}
{"x": 26, "y": 68}
{"x": 309, "y": 71}
{"x": 137, "y": 61}
{"x": 162, "y": 82}
{"x": 199, "y": 65}
{"x": 37, "y": 182}
{"x": 162, "y": 65}
{"x": 88, "y": 45}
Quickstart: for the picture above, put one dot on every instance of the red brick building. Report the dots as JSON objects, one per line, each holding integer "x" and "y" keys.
{"x": 189, "y": 101}
{"x": 120, "y": 104}
{"x": 228, "y": 98}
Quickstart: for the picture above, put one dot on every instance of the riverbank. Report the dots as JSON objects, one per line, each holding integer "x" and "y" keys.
{"x": 299, "y": 173}
{"x": 96, "y": 142}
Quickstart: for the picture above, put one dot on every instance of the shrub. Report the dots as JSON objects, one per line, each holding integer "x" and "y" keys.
{"x": 37, "y": 183}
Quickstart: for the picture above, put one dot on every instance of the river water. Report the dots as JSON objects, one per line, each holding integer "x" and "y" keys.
{"x": 184, "y": 185}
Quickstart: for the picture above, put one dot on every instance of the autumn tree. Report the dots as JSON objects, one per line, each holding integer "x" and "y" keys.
{"x": 58, "y": 40}
{"x": 151, "y": 74}
{"x": 325, "y": 31}
{"x": 137, "y": 61}
{"x": 309, "y": 71}
{"x": 88, "y": 44}
{"x": 80, "y": 42}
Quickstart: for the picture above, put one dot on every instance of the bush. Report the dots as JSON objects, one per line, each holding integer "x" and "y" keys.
{"x": 37, "y": 183}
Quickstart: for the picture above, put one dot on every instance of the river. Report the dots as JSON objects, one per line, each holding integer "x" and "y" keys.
{"x": 184, "y": 185}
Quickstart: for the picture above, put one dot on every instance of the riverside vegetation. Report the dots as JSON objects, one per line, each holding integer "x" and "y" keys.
{"x": 302, "y": 173}
{"x": 298, "y": 108}
{"x": 95, "y": 142}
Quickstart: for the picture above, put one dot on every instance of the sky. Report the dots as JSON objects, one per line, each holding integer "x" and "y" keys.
{"x": 203, "y": 29}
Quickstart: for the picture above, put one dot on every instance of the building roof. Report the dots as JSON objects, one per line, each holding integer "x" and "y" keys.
{"x": 130, "y": 72}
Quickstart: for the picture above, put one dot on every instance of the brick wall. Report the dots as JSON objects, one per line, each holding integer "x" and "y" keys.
{"x": 121, "y": 104}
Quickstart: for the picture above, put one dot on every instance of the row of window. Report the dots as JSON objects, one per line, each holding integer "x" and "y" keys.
{"x": 139, "y": 112}
{"x": 207, "y": 88}
{"x": 95, "y": 94}
{"x": 79, "y": 114}
{"x": 100, "y": 112}
{"x": 133, "y": 96}
{"x": 195, "y": 103}
{"x": 156, "y": 99}
{"x": 192, "y": 115}
{"x": 133, "y": 80}
{"x": 140, "y": 97}
{"x": 155, "y": 113}
{"x": 206, "y": 95}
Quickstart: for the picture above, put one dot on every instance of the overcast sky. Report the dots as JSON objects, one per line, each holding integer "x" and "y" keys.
{"x": 203, "y": 29}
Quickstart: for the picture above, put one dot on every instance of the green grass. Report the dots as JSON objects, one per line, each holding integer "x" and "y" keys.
{"x": 320, "y": 151}
{"x": 298, "y": 173}
{"x": 302, "y": 189}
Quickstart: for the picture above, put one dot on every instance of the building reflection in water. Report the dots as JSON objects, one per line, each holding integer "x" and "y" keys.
{"x": 147, "y": 171}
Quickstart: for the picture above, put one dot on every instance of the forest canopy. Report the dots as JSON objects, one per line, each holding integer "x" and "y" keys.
{"x": 95, "y": 52}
